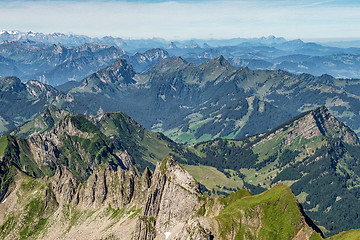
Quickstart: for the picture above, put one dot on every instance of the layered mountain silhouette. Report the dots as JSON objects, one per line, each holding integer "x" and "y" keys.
{"x": 192, "y": 103}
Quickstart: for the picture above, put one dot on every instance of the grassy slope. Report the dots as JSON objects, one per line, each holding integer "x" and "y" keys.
{"x": 348, "y": 235}
{"x": 3, "y": 144}
{"x": 213, "y": 179}
{"x": 273, "y": 214}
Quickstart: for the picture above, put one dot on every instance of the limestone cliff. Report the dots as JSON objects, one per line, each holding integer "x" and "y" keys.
{"x": 170, "y": 206}
{"x": 318, "y": 122}
{"x": 164, "y": 204}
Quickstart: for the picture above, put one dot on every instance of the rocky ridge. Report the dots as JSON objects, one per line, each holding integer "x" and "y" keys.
{"x": 119, "y": 204}
{"x": 308, "y": 150}
{"x": 319, "y": 122}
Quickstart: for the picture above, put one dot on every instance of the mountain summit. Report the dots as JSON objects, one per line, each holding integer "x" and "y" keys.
{"x": 112, "y": 77}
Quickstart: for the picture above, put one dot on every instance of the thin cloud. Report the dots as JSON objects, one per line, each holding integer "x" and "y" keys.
{"x": 185, "y": 19}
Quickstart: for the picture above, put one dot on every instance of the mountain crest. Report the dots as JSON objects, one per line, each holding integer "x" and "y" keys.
{"x": 108, "y": 79}
{"x": 311, "y": 124}
{"x": 219, "y": 62}
{"x": 118, "y": 72}
{"x": 222, "y": 61}
{"x": 329, "y": 126}
{"x": 171, "y": 65}
{"x": 171, "y": 200}
{"x": 45, "y": 121}
{"x": 11, "y": 84}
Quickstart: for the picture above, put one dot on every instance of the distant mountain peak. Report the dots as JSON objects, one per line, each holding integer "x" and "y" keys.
{"x": 171, "y": 64}
{"x": 217, "y": 62}
{"x": 10, "y": 84}
{"x": 156, "y": 53}
{"x": 119, "y": 71}
{"x": 315, "y": 123}
{"x": 151, "y": 55}
{"x": 192, "y": 44}
{"x": 172, "y": 45}
{"x": 114, "y": 75}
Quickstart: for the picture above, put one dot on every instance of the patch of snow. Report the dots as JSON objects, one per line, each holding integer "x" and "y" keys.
{"x": 167, "y": 234}
{"x": 13, "y": 32}
{"x": 302, "y": 66}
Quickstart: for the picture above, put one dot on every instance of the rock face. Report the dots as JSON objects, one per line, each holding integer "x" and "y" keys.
{"x": 119, "y": 71}
{"x": 318, "y": 122}
{"x": 64, "y": 185}
{"x": 106, "y": 186}
{"x": 120, "y": 204}
{"x": 172, "y": 200}
{"x": 143, "y": 61}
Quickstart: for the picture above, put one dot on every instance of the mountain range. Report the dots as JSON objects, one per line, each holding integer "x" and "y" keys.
{"x": 76, "y": 56}
{"x": 179, "y": 143}
{"x": 191, "y": 103}
{"x": 62, "y": 176}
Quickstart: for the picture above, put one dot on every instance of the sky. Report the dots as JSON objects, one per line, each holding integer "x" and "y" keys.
{"x": 185, "y": 19}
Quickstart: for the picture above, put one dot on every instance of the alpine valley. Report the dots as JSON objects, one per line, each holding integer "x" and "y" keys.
{"x": 150, "y": 143}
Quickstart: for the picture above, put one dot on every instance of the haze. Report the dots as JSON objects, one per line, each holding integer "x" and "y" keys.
{"x": 186, "y": 19}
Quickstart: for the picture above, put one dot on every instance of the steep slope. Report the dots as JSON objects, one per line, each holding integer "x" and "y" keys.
{"x": 190, "y": 103}
{"x": 122, "y": 204}
{"x": 261, "y": 216}
{"x": 314, "y": 154}
{"x": 59, "y": 138}
{"x": 159, "y": 99}
{"x": 144, "y": 61}
{"x": 314, "y": 149}
{"x": 21, "y": 102}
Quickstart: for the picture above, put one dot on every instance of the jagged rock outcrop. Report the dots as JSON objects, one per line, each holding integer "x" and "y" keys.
{"x": 173, "y": 198}
{"x": 126, "y": 160}
{"x": 106, "y": 186}
{"x": 166, "y": 204}
{"x": 64, "y": 185}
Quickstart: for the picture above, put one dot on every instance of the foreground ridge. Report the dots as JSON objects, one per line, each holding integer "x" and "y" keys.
{"x": 97, "y": 153}
{"x": 164, "y": 204}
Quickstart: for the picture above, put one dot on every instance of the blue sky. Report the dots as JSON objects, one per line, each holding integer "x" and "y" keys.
{"x": 185, "y": 19}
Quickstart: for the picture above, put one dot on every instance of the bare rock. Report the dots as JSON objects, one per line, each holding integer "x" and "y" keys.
{"x": 173, "y": 198}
